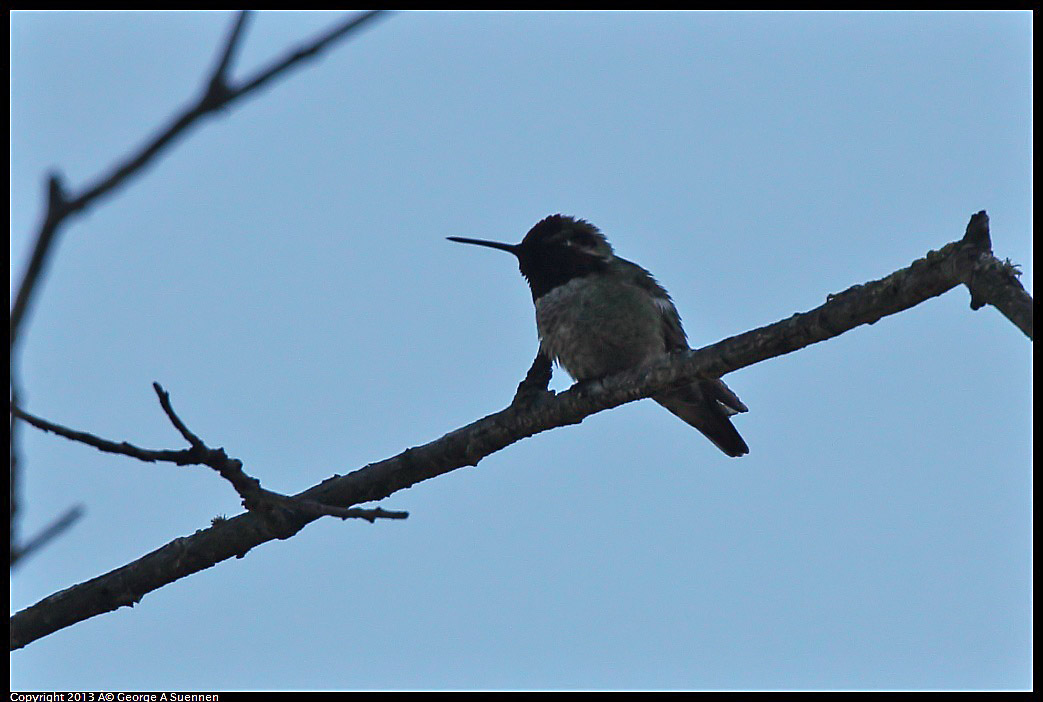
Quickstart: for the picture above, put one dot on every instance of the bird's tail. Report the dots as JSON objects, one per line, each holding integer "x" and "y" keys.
{"x": 707, "y": 406}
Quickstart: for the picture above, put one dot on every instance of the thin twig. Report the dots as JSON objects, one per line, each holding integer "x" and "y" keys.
{"x": 311, "y": 509}
{"x": 164, "y": 402}
{"x": 306, "y": 51}
{"x": 370, "y": 515}
{"x": 47, "y": 534}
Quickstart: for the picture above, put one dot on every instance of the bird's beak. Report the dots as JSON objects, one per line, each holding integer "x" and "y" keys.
{"x": 511, "y": 248}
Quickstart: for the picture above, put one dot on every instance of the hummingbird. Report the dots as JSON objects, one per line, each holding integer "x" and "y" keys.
{"x": 599, "y": 314}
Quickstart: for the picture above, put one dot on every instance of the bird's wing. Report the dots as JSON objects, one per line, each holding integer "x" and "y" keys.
{"x": 673, "y": 332}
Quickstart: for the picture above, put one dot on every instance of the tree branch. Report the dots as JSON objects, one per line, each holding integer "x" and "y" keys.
{"x": 180, "y": 457}
{"x": 284, "y": 515}
{"x": 47, "y": 534}
{"x": 61, "y": 206}
{"x": 216, "y": 95}
{"x": 219, "y": 78}
{"x": 961, "y": 262}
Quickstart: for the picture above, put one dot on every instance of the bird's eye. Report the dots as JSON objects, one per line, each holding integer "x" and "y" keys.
{"x": 583, "y": 240}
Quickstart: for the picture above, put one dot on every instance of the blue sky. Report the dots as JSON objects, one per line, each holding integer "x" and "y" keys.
{"x": 283, "y": 272}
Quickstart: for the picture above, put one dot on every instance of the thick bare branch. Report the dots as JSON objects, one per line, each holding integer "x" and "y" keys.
{"x": 996, "y": 283}
{"x": 938, "y": 272}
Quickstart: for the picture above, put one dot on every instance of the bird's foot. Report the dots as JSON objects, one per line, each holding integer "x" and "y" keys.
{"x": 528, "y": 394}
